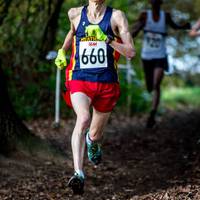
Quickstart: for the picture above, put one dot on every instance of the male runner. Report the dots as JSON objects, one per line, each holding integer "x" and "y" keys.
{"x": 91, "y": 76}
{"x": 154, "y": 56}
{"x": 195, "y": 32}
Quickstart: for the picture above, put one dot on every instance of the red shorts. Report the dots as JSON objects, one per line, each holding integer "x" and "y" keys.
{"x": 103, "y": 96}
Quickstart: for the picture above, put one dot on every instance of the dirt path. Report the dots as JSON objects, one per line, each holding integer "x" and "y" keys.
{"x": 138, "y": 164}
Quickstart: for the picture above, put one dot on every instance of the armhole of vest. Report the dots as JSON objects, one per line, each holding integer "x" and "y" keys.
{"x": 82, "y": 15}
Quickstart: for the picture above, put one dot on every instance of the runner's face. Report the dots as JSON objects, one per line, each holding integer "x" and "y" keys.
{"x": 97, "y": 1}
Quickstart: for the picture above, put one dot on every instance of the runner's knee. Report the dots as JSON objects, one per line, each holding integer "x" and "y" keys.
{"x": 156, "y": 86}
{"x": 83, "y": 121}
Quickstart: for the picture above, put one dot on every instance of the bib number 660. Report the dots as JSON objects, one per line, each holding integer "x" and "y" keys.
{"x": 94, "y": 57}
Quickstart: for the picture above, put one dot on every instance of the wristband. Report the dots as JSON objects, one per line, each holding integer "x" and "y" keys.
{"x": 109, "y": 39}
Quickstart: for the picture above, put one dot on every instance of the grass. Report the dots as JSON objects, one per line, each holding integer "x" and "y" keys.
{"x": 181, "y": 97}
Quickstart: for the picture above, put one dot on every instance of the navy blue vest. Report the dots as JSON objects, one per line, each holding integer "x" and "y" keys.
{"x": 92, "y": 54}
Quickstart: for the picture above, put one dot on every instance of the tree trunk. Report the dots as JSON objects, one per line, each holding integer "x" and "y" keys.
{"x": 49, "y": 35}
{"x": 11, "y": 126}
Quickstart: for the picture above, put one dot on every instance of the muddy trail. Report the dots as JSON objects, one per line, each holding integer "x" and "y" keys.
{"x": 138, "y": 164}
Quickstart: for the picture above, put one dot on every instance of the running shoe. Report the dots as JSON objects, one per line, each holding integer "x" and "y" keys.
{"x": 76, "y": 183}
{"x": 93, "y": 150}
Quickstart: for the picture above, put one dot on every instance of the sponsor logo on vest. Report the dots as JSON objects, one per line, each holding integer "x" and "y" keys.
{"x": 92, "y": 43}
{"x": 89, "y": 38}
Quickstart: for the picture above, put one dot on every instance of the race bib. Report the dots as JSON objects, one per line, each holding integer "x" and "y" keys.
{"x": 153, "y": 41}
{"x": 93, "y": 54}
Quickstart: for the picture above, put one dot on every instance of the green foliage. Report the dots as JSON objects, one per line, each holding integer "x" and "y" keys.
{"x": 33, "y": 99}
{"x": 173, "y": 80}
{"x": 38, "y": 96}
{"x": 182, "y": 97}
{"x": 133, "y": 96}
{"x": 22, "y": 31}
{"x": 32, "y": 80}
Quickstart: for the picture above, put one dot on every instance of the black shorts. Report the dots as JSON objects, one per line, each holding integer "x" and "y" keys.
{"x": 156, "y": 63}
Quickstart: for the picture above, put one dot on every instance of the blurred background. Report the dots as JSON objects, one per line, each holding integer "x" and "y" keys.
{"x": 31, "y": 28}
{"x": 139, "y": 164}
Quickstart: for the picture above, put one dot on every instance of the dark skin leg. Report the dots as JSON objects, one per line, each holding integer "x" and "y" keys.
{"x": 149, "y": 74}
{"x": 153, "y": 79}
{"x": 157, "y": 79}
{"x": 153, "y": 82}
{"x": 158, "y": 73}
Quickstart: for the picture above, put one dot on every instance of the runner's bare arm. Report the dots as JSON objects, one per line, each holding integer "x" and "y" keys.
{"x": 175, "y": 25}
{"x": 120, "y": 27}
{"x": 139, "y": 25}
{"x": 195, "y": 29}
{"x": 73, "y": 15}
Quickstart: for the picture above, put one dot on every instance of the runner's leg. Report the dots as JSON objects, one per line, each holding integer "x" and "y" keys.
{"x": 157, "y": 79}
{"x": 81, "y": 104}
{"x": 94, "y": 136}
{"x": 148, "y": 74}
{"x": 99, "y": 121}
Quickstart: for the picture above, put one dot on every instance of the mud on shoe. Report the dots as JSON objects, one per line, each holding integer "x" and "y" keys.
{"x": 76, "y": 183}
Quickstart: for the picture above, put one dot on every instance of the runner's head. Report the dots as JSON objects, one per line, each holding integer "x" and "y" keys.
{"x": 97, "y": 1}
{"x": 155, "y": 2}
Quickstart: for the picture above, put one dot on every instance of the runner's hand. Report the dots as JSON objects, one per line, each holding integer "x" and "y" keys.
{"x": 60, "y": 60}
{"x": 95, "y": 30}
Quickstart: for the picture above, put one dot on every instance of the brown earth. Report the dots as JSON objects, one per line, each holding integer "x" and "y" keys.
{"x": 138, "y": 164}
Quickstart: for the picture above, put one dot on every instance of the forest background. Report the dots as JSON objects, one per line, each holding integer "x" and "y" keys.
{"x": 32, "y": 28}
